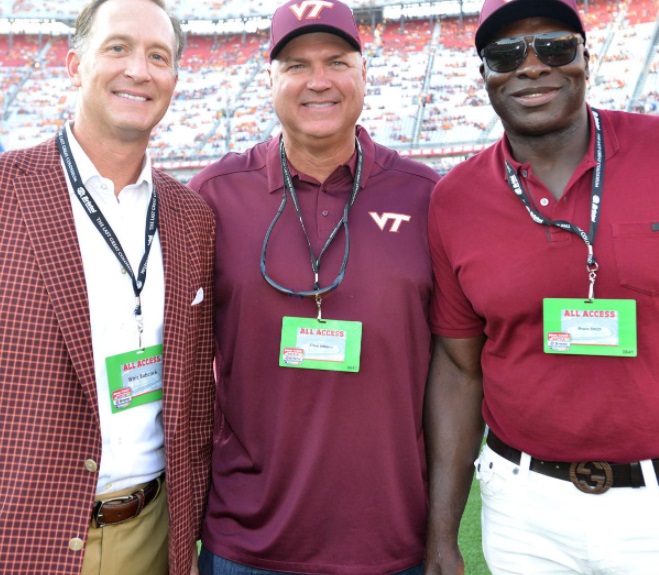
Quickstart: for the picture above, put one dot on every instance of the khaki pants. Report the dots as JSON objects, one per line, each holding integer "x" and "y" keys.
{"x": 136, "y": 547}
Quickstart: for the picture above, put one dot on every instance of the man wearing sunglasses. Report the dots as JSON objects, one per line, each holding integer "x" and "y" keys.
{"x": 546, "y": 318}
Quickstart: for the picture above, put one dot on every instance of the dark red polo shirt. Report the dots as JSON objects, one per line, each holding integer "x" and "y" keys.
{"x": 319, "y": 471}
{"x": 494, "y": 266}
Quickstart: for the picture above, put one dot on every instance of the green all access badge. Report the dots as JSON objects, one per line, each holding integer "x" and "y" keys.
{"x": 329, "y": 345}
{"x": 590, "y": 327}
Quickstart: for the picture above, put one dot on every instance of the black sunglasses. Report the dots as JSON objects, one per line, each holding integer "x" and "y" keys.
{"x": 551, "y": 48}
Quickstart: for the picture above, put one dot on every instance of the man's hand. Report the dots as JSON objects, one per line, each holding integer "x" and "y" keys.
{"x": 194, "y": 569}
{"x": 449, "y": 563}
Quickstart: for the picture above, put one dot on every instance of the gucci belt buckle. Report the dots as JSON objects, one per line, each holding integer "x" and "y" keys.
{"x": 594, "y": 477}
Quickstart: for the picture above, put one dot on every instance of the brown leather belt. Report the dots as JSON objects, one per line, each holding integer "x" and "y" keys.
{"x": 119, "y": 509}
{"x": 588, "y": 476}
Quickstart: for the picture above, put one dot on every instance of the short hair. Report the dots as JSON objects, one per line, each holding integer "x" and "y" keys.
{"x": 85, "y": 23}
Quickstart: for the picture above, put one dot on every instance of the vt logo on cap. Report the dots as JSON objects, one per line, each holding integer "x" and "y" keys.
{"x": 296, "y": 17}
{"x": 314, "y": 7}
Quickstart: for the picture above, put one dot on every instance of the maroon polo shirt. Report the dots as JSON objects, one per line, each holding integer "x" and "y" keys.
{"x": 320, "y": 471}
{"x": 494, "y": 266}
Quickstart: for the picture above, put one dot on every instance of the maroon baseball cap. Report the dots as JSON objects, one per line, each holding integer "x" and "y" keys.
{"x": 499, "y": 13}
{"x": 299, "y": 17}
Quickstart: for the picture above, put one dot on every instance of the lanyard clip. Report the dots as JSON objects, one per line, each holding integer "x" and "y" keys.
{"x": 140, "y": 320}
{"x": 319, "y": 301}
{"x": 592, "y": 276}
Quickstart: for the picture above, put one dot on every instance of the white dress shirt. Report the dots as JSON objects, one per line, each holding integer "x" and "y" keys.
{"x": 133, "y": 440}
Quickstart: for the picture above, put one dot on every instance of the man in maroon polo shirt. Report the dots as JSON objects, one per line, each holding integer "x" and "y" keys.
{"x": 323, "y": 280}
{"x": 545, "y": 248}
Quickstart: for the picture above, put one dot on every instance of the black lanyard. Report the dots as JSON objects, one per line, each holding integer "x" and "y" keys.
{"x": 597, "y": 187}
{"x": 289, "y": 188}
{"x": 104, "y": 228}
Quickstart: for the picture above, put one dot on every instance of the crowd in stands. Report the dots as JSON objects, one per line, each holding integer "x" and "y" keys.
{"x": 424, "y": 87}
{"x": 185, "y": 9}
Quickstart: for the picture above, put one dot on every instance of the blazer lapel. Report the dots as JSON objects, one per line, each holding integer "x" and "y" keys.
{"x": 44, "y": 199}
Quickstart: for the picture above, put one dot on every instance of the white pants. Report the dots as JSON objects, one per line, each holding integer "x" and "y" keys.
{"x": 538, "y": 525}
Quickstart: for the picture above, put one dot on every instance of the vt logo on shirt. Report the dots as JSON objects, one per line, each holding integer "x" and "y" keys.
{"x": 313, "y": 8}
{"x": 396, "y": 220}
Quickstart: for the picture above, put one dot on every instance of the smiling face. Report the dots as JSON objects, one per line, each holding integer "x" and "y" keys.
{"x": 318, "y": 84}
{"x": 537, "y": 99}
{"x": 126, "y": 73}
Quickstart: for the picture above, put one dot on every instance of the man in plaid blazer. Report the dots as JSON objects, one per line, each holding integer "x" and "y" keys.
{"x": 106, "y": 381}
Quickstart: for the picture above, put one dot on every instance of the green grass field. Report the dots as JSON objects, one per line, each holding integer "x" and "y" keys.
{"x": 470, "y": 535}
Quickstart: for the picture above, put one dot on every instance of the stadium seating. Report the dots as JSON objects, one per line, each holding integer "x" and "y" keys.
{"x": 424, "y": 97}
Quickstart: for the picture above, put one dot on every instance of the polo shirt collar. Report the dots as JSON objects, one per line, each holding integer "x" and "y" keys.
{"x": 276, "y": 178}
{"x": 611, "y": 146}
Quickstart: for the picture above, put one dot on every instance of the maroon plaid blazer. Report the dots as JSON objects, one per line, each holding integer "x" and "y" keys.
{"x": 49, "y": 423}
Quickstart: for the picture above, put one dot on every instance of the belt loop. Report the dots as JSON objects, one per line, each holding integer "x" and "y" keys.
{"x": 524, "y": 466}
{"x": 649, "y": 475}
{"x": 140, "y": 501}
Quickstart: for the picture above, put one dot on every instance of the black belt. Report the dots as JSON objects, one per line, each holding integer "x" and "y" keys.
{"x": 119, "y": 509}
{"x": 587, "y": 476}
